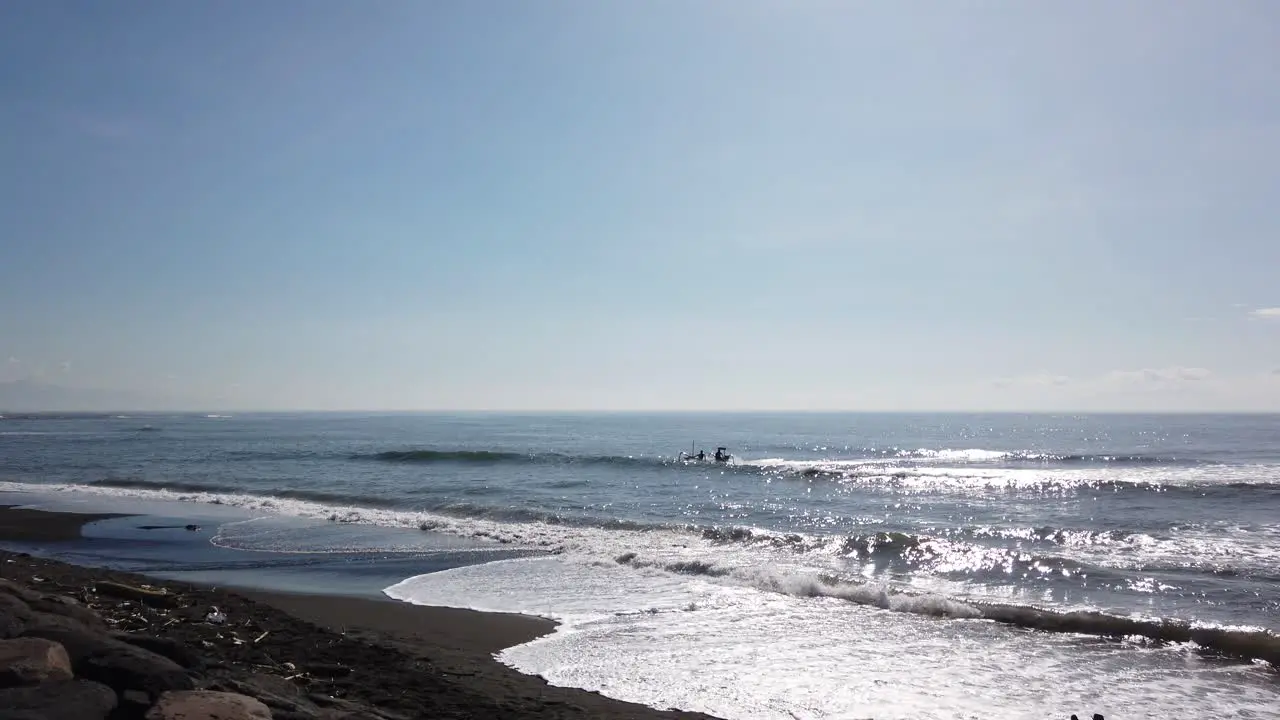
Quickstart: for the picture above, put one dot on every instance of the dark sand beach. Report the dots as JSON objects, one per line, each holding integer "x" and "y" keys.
{"x": 315, "y": 655}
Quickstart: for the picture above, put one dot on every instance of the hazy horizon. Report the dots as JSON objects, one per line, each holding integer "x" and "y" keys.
{"x": 582, "y": 206}
{"x": 95, "y": 407}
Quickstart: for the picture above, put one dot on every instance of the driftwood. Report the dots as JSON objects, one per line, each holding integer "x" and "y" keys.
{"x": 129, "y": 592}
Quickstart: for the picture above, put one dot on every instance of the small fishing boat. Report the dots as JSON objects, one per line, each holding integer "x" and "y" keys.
{"x": 722, "y": 456}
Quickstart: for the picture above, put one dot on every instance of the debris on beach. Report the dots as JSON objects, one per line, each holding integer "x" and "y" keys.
{"x": 143, "y": 594}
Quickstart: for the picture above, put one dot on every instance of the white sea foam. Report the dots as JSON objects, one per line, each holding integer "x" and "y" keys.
{"x": 738, "y": 652}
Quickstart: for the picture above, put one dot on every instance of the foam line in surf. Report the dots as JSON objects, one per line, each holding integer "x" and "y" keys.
{"x": 968, "y": 553}
{"x": 1248, "y": 643}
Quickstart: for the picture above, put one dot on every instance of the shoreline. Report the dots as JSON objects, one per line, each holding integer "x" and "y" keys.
{"x": 414, "y": 660}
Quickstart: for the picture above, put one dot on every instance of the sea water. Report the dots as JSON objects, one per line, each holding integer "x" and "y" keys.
{"x": 860, "y": 565}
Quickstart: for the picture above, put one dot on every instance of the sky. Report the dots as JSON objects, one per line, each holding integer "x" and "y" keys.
{"x": 567, "y": 205}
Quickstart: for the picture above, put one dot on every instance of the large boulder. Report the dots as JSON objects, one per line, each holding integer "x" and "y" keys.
{"x": 123, "y": 666}
{"x": 15, "y": 616}
{"x": 128, "y": 667}
{"x": 31, "y": 661}
{"x": 207, "y": 705}
{"x": 58, "y": 700}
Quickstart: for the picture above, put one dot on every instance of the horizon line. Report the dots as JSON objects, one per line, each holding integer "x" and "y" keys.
{"x": 624, "y": 411}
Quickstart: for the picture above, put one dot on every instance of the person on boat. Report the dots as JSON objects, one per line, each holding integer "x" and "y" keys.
{"x": 721, "y": 455}
{"x": 702, "y": 455}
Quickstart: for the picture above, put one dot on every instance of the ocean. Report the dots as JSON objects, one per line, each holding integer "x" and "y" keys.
{"x": 840, "y": 565}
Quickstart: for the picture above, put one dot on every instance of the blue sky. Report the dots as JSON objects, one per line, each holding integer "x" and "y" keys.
{"x": 675, "y": 205}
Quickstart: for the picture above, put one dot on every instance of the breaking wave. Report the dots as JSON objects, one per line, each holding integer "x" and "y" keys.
{"x": 1248, "y": 643}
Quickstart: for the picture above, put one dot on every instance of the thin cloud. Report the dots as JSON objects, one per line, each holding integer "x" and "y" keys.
{"x": 1159, "y": 376}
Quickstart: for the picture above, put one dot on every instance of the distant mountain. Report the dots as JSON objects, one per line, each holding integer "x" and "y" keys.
{"x": 34, "y": 396}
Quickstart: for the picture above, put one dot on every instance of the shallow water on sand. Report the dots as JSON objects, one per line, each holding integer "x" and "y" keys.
{"x": 841, "y": 566}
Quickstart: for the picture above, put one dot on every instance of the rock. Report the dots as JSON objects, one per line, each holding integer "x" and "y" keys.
{"x": 67, "y": 607}
{"x": 75, "y": 638}
{"x": 128, "y": 667}
{"x": 59, "y": 700}
{"x": 23, "y": 593}
{"x": 179, "y": 652}
{"x": 207, "y": 705}
{"x": 15, "y": 616}
{"x": 95, "y": 656}
{"x": 31, "y": 661}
